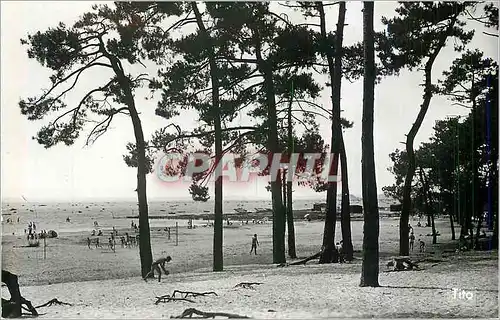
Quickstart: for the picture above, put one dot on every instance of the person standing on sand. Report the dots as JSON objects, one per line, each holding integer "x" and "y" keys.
{"x": 111, "y": 244}
{"x": 255, "y": 243}
{"x": 412, "y": 240}
{"x": 88, "y": 242}
{"x": 97, "y": 244}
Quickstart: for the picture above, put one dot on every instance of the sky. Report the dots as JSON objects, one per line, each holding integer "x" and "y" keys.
{"x": 98, "y": 171}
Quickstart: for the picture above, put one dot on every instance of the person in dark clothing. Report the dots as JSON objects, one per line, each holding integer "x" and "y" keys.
{"x": 160, "y": 263}
{"x": 255, "y": 243}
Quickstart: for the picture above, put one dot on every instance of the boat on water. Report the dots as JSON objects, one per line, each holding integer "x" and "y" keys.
{"x": 241, "y": 210}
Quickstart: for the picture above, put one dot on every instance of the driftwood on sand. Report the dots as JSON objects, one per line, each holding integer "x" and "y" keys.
{"x": 188, "y": 313}
{"x": 192, "y": 294}
{"x": 169, "y": 298}
{"x": 52, "y": 302}
{"x": 184, "y": 296}
{"x": 247, "y": 285}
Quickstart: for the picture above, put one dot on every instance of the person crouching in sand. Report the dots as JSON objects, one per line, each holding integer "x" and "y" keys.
{"x": 160, "y": 263}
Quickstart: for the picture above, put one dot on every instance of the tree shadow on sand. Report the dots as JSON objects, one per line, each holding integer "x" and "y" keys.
{"x": 436, "y": 288}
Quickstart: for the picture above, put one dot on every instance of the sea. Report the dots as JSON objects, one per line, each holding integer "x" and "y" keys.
{"x": 53, "y": 215}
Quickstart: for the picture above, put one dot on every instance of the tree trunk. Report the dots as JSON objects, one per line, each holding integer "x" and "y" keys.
{"x": 404, "y": 249}
{"x": 345, "y": 222}
{"x": 288, "y": 196}
{"x": 144, "y": 239}
{"x": 329, "y": 253}
{"x": 492, "y": 140}
{"x": 370, "y": 265}
{"x": 292, "y": 253}
{"x": 478, "y": 231}
{"x": 452, "y": 227}
{"x": 337, "y": 82}
{"x": 145, "y": 253}
{"x": 434, "y": 234}
{"x": 427, "y": 201}
{"x": 11, "y": 281}
{"x": 279, "y": 218}
{"x": 218, "y": 256}
{"x": 283, "y": 183}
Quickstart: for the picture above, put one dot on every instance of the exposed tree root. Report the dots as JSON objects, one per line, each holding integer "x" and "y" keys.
{"x": 247, "y": 285}
{"x": 188, "y": 313}
{"x": 52, "y": 302}
{"x": 303, "y": 261}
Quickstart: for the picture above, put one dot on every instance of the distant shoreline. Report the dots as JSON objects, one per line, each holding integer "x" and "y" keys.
{"x": 297, "y": 214}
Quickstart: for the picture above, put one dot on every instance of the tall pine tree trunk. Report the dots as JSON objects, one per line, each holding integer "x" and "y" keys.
{"x": 345, "y": 210}
{"x": 292, "y": 253}
{"x": 145, "y": 253}
{"x": 144, "y": 232}
{"x": 370, "y": 266}
{"x": 404, "y": 249}
{"x": 218, "y": 256}
{"x": 329, "y": 254}
{"x": 345, "y": 215}
{"x": 279, "y": 214}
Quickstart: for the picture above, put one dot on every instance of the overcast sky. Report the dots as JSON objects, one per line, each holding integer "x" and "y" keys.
{"x": 77, "y": 173}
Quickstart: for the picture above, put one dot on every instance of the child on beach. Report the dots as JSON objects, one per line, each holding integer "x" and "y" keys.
{"x": 255, "y": 243}
{"x": 422, "y": 245}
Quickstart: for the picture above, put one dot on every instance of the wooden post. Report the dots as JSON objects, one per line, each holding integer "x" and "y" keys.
{"x": 176, "y": 233}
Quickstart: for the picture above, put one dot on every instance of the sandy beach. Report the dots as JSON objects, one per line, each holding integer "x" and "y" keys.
{"x": 101, "y": 283}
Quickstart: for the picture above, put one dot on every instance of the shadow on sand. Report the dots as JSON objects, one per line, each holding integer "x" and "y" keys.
{"x": 436, "y": 288}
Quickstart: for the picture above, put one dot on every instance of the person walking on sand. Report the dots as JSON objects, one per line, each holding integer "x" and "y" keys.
{"x": 255, "y": 243}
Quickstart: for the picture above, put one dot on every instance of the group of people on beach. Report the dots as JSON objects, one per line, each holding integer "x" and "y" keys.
{"x": 31, "y": 231}
{"x": 126, "y": 240}
{"x": 9, "y": 220}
